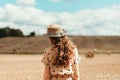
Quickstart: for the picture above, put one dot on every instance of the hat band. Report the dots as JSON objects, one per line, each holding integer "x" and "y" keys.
{"x": 56, "y": 33}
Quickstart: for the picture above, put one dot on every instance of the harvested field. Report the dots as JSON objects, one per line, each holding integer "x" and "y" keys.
{"x": 29, "y": 67}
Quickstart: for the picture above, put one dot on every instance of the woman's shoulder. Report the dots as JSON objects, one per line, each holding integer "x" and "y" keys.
{"x": 77, "y": 56}
{"x": 75, "y": 50}
{"x": 47, "y": 50}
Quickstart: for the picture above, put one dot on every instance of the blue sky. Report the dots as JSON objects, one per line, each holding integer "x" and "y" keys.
{"x": 78, "y": 17}
{"x": 68, "y": 5}
{"x": 74, "y": 5}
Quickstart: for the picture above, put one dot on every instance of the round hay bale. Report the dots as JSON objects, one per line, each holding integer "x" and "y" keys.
{"x": 89, "y": 54}
{"x": 109, "y": 53}
{"x": 14, "y": 50}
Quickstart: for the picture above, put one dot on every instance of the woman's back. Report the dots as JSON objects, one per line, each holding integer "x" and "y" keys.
{"x": 61, "y": 59}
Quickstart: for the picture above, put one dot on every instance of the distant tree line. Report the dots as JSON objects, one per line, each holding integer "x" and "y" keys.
{"x": 31, "y": 34}
{"x": 10, "y": 32}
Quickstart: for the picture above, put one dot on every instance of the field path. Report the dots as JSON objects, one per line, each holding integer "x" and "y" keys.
{"x": 29, "y": 67}
{"x": 21, "y": 67}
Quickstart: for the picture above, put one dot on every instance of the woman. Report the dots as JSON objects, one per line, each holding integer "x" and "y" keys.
{"x": 61, "y": 59}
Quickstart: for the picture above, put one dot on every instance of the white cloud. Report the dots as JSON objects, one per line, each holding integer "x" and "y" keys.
{"x": 103, "y": 21}
{"x": 25, "y": 18}
{"x": 26, "y": 2}
{"x": 1, "y": 13}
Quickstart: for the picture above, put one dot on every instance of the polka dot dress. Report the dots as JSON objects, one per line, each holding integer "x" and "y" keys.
{"x": 59, "y": 72}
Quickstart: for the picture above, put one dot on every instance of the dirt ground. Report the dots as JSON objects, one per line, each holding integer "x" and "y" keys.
{"x": 29, "y": 67}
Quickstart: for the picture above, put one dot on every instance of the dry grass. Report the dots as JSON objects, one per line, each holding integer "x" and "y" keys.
{"x": 29, "y": 67}
{"x": 39, "y": 43}
{"x": 21, "y": 67}
{"x": 101, "y": 67}
{"x": 109, "y": 53}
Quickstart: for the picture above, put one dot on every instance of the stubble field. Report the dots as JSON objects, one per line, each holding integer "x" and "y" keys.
{"x": 30, "y": 67}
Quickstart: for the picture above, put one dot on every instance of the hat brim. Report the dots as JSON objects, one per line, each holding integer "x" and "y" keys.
{"x": 50, "y": 35}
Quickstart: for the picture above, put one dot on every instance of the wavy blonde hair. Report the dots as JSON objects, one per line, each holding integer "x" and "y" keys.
{"x": 64, "y": 50}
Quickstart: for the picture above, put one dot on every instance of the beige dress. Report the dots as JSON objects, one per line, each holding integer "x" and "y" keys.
{"x": 60, "y": 72}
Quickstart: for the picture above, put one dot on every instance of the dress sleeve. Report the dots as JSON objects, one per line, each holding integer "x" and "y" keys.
{"x": 77, "y": 57}
{"x": 75, "y": 66}
{"x": 45, "y": 57}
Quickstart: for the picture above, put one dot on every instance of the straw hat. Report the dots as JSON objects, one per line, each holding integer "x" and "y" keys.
{"x": 54, "y": 30}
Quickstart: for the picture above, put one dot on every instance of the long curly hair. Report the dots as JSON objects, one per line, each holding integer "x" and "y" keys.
{"x": 64, "y": 50}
